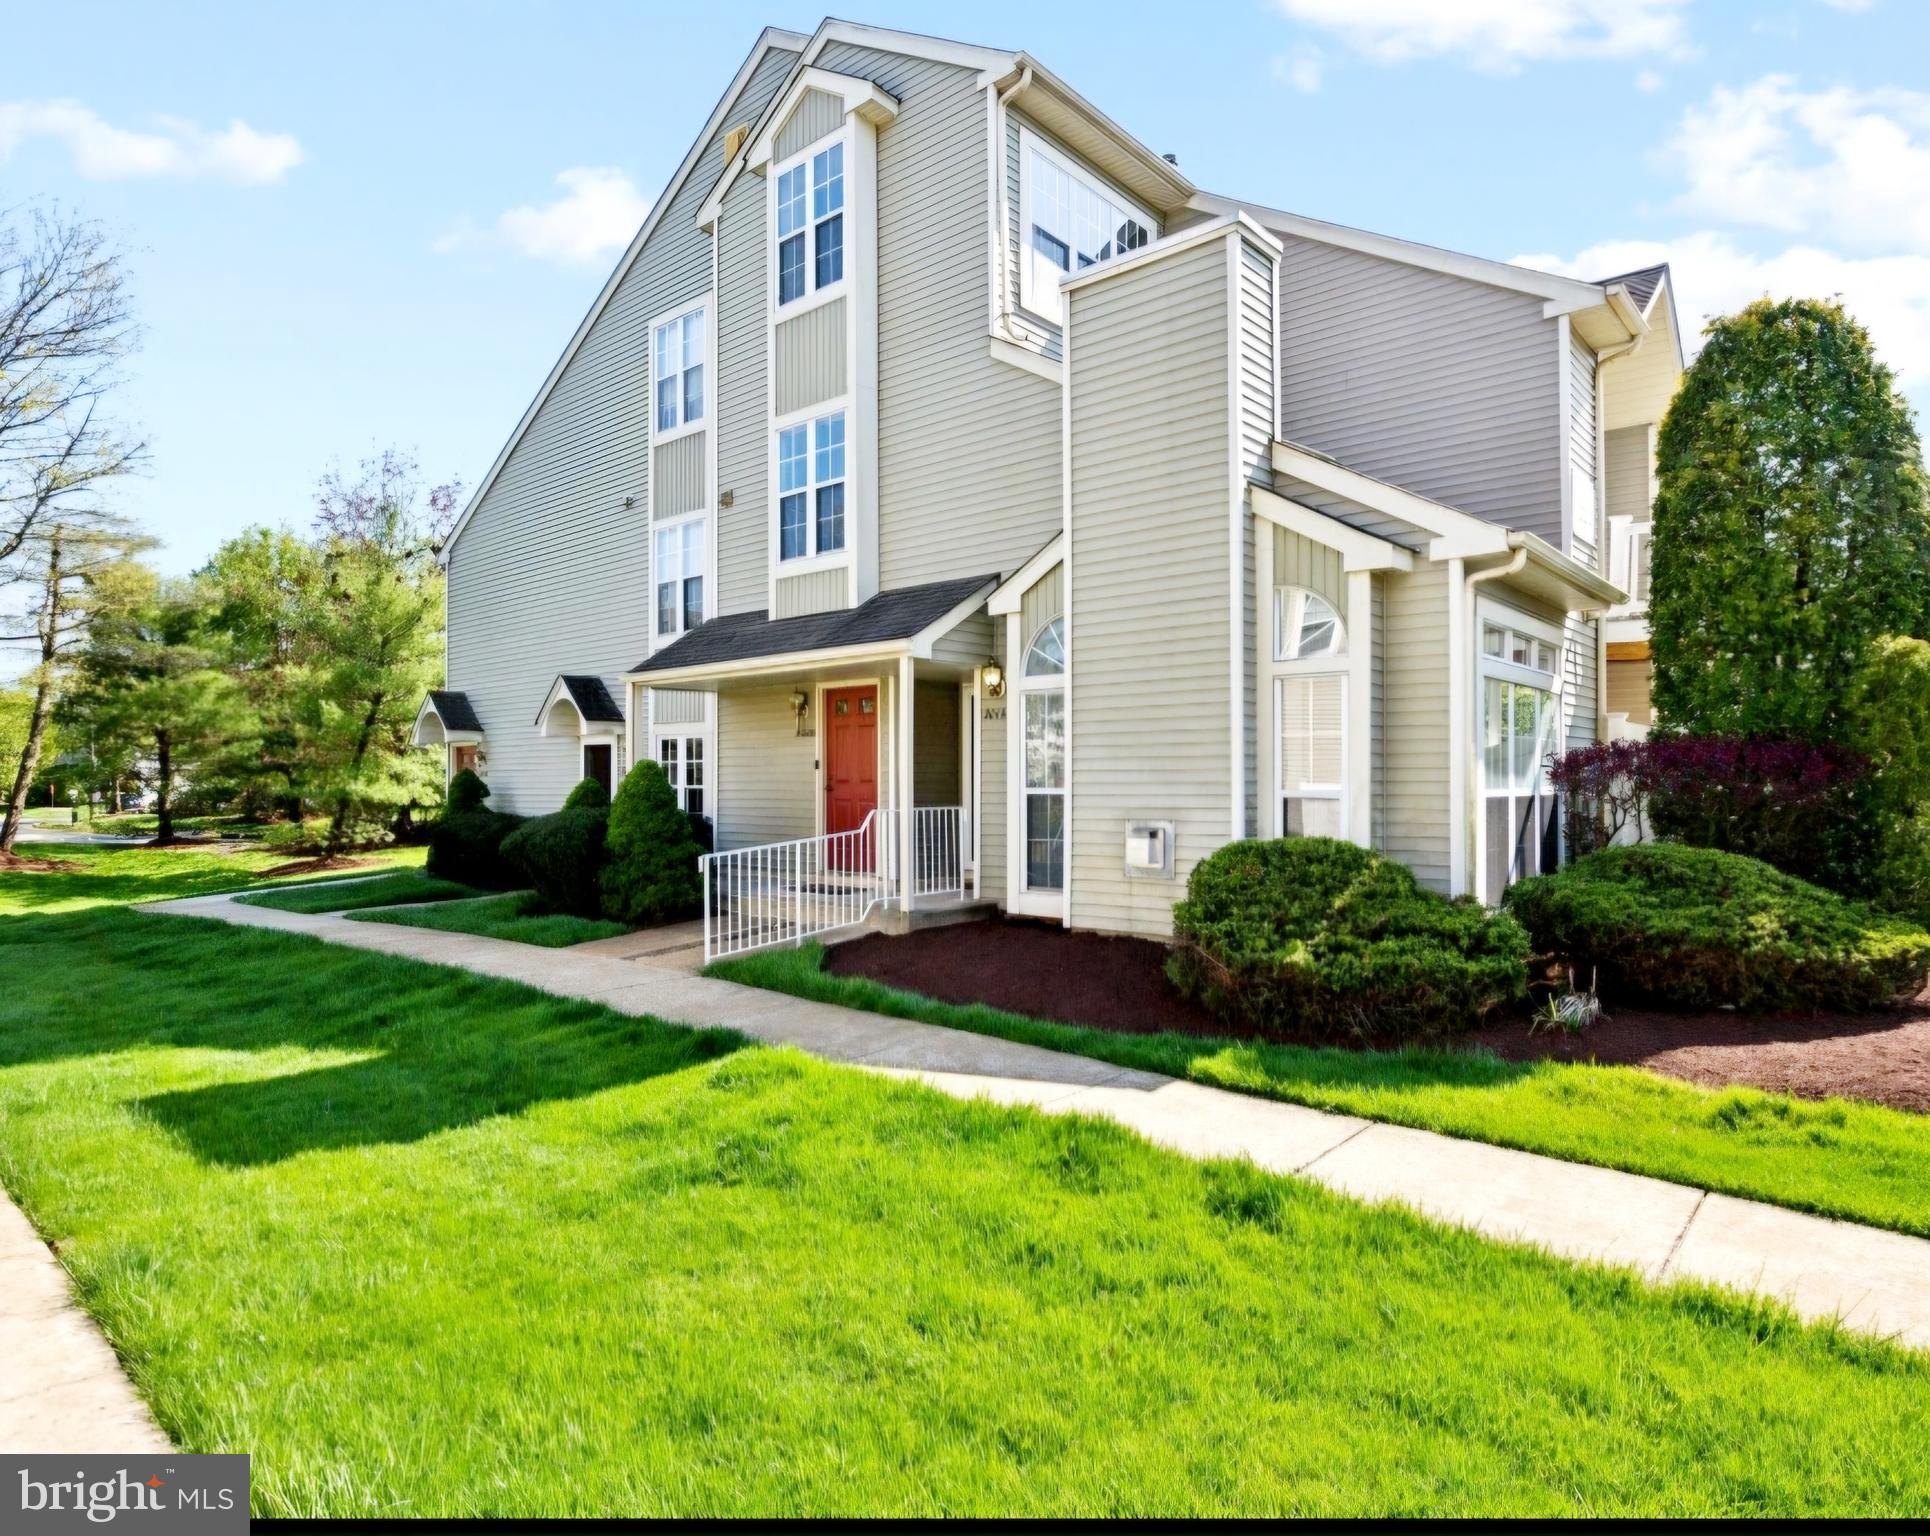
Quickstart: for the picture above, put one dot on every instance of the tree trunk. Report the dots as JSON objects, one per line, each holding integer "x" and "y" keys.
{"x": 23, "y": 777}
{"x": 338, "y": 824}
{"x": 163, "y": 788}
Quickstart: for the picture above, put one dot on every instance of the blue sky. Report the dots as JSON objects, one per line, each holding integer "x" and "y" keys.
{"x": 353, "y": 225}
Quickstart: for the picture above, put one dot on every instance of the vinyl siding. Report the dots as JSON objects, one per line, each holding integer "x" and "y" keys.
{"x": 968, "y": 448}
{"x": 1582, "y": 656}
{"x": 1148, "y": 579}
{"x": 1432, "y": 382}
{"x": 551, "y": 574}
{"x": 811, "y": 358}
{"x": 934, "y": 745}
{"x": 1414, "y": 736}
{"x": 677, "y": 706}
{"x": 679, "y": 466}
{"x": 765, "y": 780}
{"x": 1255, "y": 385}
{"x": 1583, "y": 450}
{"x": 1630, "y": 464}
{"x": 743, "y": 435}
{"x": 967, "y": 643}
{"x": 992, "y": 787}
{"x": 1042, "y": 602}
{"x": 812, "y": 592}
{"x": 816, "y": 114}
{"x": 1299, "y": 562}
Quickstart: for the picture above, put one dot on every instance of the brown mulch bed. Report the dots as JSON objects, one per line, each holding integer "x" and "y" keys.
{"x": 1046, "y": 972}
{"x": 317, "y": 866}
{"x": 1037, "y": 969}
{"x": 20, "y": 864}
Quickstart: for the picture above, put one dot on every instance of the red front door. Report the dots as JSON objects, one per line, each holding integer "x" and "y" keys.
{"x": 850, "y": 758}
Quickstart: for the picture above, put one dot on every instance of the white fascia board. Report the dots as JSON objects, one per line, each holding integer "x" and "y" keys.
{"x": 1478, "y": 269}
{"x": 914, "y": 44}
{"x": 1587, "y": 592}
{"x": 1456, "y": 533}
{"x": 1358, "y": 551}
{"x": 858, "y": 95}
{"x": 771, "y": 38}
{"x": 1008, "y": 594}
{"x": 781, "y": 664}
{"x": 446, "y": 736}
{"x": 1172, "y": 245}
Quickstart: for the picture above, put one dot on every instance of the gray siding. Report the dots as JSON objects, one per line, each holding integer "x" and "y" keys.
{"x": 812, "y": 592}
{"x": 765, "y": 782}
{"x": 1583, "y": 452}
{"x": 968, "y": 448}
{"x": 967, "y": 643}
{"x": 1414, "y": 739}
{"x": 1582, "y": 683}
{"x": 554, "y": 521}
{"x": 992, "y": 788}
{"x": 743, "y": 437}
{"x": 680, "y": 466}
{"x": 1629, "y": 467}
{"x": 1149, "y": 527}
{"x": 811, "y": 358}
{"x": 1042, "y": 602}
{"x": 1445, "y": 386}
{"x": 1299, "y": 562}
{"x": 934, "y": 745}
{"x": 677, "y": 706}
{"x": 816, "y": 114}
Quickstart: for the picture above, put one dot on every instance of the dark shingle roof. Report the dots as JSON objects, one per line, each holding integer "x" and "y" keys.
{"x": 1641, "y": 284}
{"x": 454, "y": 710}
{"x": 591, "y": 698}
{"x": 889, "y": 616}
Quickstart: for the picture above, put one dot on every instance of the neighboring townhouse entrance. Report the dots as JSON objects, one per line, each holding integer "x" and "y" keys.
{"x": 850, "y": 758}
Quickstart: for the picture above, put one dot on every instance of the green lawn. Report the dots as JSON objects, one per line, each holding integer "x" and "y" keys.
{"x": 381, "y": 891}
{"x": 516, "y": 916}
{"x": 146, "y": 824}
{"x": 113, "y": 875}
{"x": 1861, "y": 1162}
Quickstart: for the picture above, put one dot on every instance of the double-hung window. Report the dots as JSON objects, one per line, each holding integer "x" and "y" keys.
{"x": 1521, "y": 720}
{"x": 678, "y": 349}
{"x": 810, "y": 223}
{"x": 682, "y": 759}
{"x": 810, "y": 488}
{"x": 679, "y": 568}
{"x": 1069, "y": 220}
{"x": 1310, "y": 710}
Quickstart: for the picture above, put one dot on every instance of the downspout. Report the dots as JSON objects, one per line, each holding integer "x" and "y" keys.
{"x": 1461, "y": 703}
{"x": 1007, "y": 278}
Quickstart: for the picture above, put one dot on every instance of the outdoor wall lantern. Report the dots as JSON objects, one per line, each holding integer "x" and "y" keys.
{"x": 800, "y": 702}
{"x": 992, "y": 675}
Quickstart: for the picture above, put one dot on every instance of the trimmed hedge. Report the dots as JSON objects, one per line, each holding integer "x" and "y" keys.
{"x": 1698, "y": 928}
{"x": 466, "y": 793}
{"x": 651, "y": 876}
{"x": 560, "y": 856}
{"x": 467, "y": 847}
{"x": 588, "y": 795}
{"x": 1309, "y": 937}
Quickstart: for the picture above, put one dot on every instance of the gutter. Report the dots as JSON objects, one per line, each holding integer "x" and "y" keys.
{"x": 1003, "y": 325}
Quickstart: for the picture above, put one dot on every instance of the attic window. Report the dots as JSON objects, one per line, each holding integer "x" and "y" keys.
{"x": 809, "y": 197}
{"x": 1069, "y": 220}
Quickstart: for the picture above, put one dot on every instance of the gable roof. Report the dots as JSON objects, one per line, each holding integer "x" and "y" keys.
{"x": 591, "y": 698}
{"x": 886, "y": 619}
{"x": 454, "y": 710}
{"x": 771, "y": 38}
{"x": 1641, "y": 283}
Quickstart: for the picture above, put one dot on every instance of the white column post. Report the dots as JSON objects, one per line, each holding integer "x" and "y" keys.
{"x": 1360, "y": 707}
{"x": 902, "y": 787}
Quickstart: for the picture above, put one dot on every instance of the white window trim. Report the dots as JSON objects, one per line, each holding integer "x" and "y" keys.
{"x": 677, "y": 524}
{"x": 813, "y": 295}
{"x": 1326, "y": 661}
{"x": 813, "y": 559}
{"x": 1029, "y": 143}
{"x": 1020, "y": 897}
{"x": 1283, "y": 672}
{"x": 683, "y": 735}
{"x": 1488, "y": 611}
{"x": 685, "y": 428}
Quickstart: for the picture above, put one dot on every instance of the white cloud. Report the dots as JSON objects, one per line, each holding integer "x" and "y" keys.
{"x": 1851, "y": 6}
{"x": 178, "y": 148}
{"x": 1853, "y": 163}
{"x": 1715, "y": 276}
{"x": 1498, "y": 35}
{"x": 1648, "y": 81}
{"x": 1303, "y": 67}
{"x": 599, "y": 211}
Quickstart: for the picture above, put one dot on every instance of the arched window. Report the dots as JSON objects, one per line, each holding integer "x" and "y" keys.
{"x": 1305, "y": 626}
{"x": 1046, "y": 656}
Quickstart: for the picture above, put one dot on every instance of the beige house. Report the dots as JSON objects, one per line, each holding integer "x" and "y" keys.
{"x": 968, "y": 510}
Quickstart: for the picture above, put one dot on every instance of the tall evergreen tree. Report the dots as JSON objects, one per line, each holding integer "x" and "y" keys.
{"x": 1790, "y": 526}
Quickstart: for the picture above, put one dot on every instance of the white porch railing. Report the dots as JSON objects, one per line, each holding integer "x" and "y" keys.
{"x": 785, "y": 893}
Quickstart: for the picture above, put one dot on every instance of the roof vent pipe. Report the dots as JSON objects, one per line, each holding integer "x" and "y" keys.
{"x": 1170, "y": 159}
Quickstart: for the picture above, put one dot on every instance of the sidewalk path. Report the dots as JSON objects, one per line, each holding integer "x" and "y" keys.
{"x": 1874, "y": 1281}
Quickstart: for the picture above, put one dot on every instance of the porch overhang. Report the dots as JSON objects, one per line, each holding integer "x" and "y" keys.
{"x": 446, "y": 719}
{"x": 906, "y": 623}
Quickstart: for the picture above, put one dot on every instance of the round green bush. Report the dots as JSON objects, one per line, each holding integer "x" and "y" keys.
{"x": 466, "y": 793}
{"x": 651, "y": 875}
{"x": 588, "y": 795}
{"x": 467, "y": 847}
{"x": 1309, "y": 937}
{"x": 1698, "y": 928}
{"x": 560, "y": 856}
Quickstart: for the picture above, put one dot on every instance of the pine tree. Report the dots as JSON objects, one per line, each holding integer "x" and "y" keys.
{"x": 650, "y": 868}
{"x": 1790, "y": 527}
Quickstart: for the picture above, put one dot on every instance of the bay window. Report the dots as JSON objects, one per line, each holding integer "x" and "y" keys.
{"x": 809, "y": 195}
{"x": 678, "y": 348}
{"x": 810, "y": 487}
{"x": 1069, "y": 220}
{"x": 1521, "y": 719}
{"x": 678, "y": 568}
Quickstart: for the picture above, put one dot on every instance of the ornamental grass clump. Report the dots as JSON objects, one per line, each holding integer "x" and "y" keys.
{"x": 1312, "y": 938}
{"x": 1698, "y": 928}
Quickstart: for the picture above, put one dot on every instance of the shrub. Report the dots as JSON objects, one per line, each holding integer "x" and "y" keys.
{"x": 588, "y": 795}
{"x": 651, "y": 876}
{"x": 1699, "y": 928}
{"x": 560, "y": 857}
{"x": 1890, "y": 726}
{"x": 1308, "y": 936}
{"x": 466, "y": 846}
{"x": 466, "y": 793}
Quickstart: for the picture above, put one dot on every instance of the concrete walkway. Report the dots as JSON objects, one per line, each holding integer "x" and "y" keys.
{"x": 1873, "y": 1280}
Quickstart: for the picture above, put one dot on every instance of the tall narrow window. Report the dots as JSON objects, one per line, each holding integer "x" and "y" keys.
{"x": 1520, "y": 733}
{"x": 682, "y": 760}
{"x": 678, "y": 346}
{"x": 679, "y": 561}
{"x": 810, "y": 488}
{"x": 1070, "y": 221}
{"x": 1042, "y": 690}
{"x": 1313, "y": 753}
{"x": 809, "y": 226}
